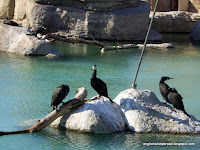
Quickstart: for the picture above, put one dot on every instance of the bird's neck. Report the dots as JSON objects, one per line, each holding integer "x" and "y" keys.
{"x": 94, "y": 74}
{"x": 162, "y": 81}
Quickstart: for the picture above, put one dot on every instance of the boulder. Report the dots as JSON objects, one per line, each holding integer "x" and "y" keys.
{"x": 194, "y": 6}
{"x": 145, "y": 113}
{"x": 98, "y": 116}
{"x": 15, "y": 40}
{"x": 94, "y": 5}
{"x": 175, "y": 21}
{"x": 6, "y": 8}
{"x": 117, "y": 20}
{"x": 123, "y": 24}
{"x": 134, "y": 110}
{"x": 195, "y": 34}
{"x": 154, "y": 36}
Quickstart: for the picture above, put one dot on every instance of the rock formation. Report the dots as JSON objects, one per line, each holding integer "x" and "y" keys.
{"x": 98, "y": 116}
{"x": 93, "y": 5}
{"x": 175, "y": 21}
{"x": 137, "y": 111}
{"x": 145, "y": 113}
{"x": 102, "y": 19}
{"x": 14, "y": 39}
{"x": 195, "y": 34}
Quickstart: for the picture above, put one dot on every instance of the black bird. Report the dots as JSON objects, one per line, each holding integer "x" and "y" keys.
{"x": 99, "y": 86}
{"x": 176, "y": 99}
{"x": 58, "y": 95}
{"x": 163, "y": 88}
{"x": 10, "y": 22}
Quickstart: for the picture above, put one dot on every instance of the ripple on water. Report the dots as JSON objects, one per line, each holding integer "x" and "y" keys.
{"x": 27, "y": 83}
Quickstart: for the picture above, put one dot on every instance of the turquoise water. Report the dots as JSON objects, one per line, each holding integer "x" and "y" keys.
{"x": 27, "y": 83}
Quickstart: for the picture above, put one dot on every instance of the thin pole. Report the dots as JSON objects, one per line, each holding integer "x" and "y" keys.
{"x": 145, "y": 42}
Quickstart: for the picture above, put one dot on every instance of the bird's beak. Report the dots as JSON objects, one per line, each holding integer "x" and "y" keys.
{"x": 171, "y": 78}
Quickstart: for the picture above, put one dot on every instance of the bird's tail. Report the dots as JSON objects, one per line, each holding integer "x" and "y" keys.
{"x": 186, "y": 113}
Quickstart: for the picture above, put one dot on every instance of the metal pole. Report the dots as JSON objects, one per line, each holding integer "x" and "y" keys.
{"x": 145, "y": 42}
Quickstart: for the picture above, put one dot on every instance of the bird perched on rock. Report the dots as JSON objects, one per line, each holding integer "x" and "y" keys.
{"x": 10, "y": 22}
{"x": 176, "y": 99}
{"x": 58, "y": 95}
{"x": 163, "y": 88}
{"x": 99, "y": 86}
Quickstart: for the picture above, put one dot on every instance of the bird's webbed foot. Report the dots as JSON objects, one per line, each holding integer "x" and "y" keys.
{"x": 56, "y": 108}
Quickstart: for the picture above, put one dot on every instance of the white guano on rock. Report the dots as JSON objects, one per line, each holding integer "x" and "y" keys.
{"x": 134, "y": 110}
{"x": 98, "y": 116}
{"x": 145, "y": 113}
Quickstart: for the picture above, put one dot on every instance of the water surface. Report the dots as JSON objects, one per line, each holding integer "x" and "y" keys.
{"x": 27, "y": 83}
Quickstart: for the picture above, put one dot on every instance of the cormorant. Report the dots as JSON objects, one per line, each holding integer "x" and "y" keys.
{"x": 163, "y": 88}
{"x": 59, "y": 94}
{"x": 99, "y": 86}
{"x": 10, "y": 22}
{"x": 176, "y": 100}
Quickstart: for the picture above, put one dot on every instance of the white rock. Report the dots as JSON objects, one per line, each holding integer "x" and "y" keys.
{"x": 145, "y": 113}
{"x": 98, "y": 116}
{"x": 14, "y": 39}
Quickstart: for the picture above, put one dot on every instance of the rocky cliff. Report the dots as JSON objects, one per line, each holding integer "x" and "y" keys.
{"x": 102, "y": 19}
{"x": 93, "y": 5}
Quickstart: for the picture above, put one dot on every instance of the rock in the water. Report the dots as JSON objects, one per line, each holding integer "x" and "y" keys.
{"x": 98, "y": 116}
{"x": 195, "y": 34}
{"x": 145, "y": 113}
{"x": 137, "y": 111}
{"x": 14, "y": 39}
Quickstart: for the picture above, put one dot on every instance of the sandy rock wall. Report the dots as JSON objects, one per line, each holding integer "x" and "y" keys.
{"x": 134, "y": 110}
{"x": 108, "y": 21}
{"x": 196, "y": 5}
{"x": 123, "y": 24}
{"x": 7, "y": 8}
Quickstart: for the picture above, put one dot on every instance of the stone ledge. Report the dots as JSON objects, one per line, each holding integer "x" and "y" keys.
{"x": 175, "y": 21}
{"x": 92, "y": 5}
{"x": 14, "y": 39}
